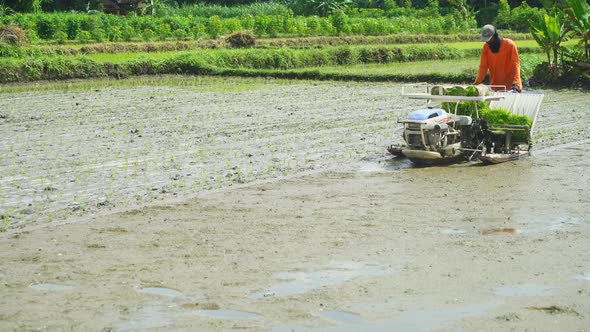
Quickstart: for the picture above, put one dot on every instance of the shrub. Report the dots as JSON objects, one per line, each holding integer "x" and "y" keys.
{"x": 241, "y": 39}
{"x": 338, "y": 19}
{"x": 163, "y": 31}
{"x": 84, "y": 36}
{"x": 214, "y": 26}
{"x": 73, "y": 27}
{"x": 276, "y": 26}
{"x": 502, "y": 20}
{"x": 261, "y": 24}
{"x": 199, "y": 31}
{"x": 98, "y": 35}
{"x": 61, "y": 36}
{"x": 113, "y": 34}
{"x": 344, "y": 56}
{"x": 231, "y": 25}
{"x": 179, "y": 34}
{"x": 45, "y": 28}
{"x": 519, "y": 19}
{"x": 313, "y": 24}
{"x": 148, "y": 34}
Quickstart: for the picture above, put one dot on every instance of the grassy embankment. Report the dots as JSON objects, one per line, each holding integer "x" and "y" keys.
{"x": 435, "y": 62}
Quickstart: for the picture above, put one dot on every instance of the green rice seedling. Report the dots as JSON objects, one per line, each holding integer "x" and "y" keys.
{"x": 240, "y": 175}
{"x": 496, "y": 116}
{"x": 6, "y": 220}
{"x": 221, "y": 179}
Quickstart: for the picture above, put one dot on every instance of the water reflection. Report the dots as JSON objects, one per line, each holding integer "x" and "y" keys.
{"x": 337, "y": 273}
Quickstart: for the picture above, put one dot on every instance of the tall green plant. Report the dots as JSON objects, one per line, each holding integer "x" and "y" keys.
{"x": 154, "y": 7}
{"x": 36, "y": 6}
{"x": 502, "y": 20}
{"x": 579, "y": 22}
{"x": 5, "y": 10}
{"x": 326, "y": 7}
{"x": 549, "y": 34}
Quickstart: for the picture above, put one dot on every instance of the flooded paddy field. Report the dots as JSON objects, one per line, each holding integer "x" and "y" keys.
{"x": 273, "y": 206}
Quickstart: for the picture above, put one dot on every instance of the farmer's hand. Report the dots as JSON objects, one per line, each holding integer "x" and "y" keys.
{"x": 515, "y": 88}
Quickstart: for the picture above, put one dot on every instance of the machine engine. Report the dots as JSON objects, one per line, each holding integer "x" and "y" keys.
{"x": 427, "y": 129}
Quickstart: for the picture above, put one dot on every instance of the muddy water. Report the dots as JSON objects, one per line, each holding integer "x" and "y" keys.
{"x": 344, "y": 237}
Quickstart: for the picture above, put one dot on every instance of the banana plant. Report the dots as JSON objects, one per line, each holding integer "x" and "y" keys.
{"x": 153, "y": 7}
{"x": 549, "y": 33}
{"x": 579, "y": 21}
{"x": 36, "y": 6}
{"x": 326, "y": 7}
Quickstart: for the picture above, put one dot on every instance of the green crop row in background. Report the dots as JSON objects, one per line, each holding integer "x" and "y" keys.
{"x": 104, "y": 27}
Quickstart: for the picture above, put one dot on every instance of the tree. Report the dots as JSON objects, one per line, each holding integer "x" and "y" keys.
{"x": 502, "y": 20}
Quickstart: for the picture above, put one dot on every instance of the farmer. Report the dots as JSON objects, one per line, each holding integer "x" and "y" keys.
{"x": 500, "y": 57}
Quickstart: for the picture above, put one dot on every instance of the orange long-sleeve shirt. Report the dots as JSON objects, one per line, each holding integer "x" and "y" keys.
{"x": 504, "y": 66}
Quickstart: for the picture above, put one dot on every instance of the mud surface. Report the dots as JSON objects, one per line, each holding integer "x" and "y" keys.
{"x": 275, "y": 207}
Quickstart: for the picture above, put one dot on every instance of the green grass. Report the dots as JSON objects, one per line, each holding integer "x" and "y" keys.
{"x": 457, "y": 62}
{"x": 122, "y": 57}
{"x": 519, "y": 43}
{"x": 456, "y": 66}
{"x": 407, "y": 68}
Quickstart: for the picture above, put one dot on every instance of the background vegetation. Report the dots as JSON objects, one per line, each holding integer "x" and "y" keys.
{"x": 83, "y": 21}
{"x": 53, "y": 38}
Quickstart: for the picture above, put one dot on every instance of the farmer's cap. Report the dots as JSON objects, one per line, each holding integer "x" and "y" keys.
{"x": 487, "y": 32}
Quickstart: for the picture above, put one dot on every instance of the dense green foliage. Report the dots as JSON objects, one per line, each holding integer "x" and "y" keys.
{"x": 331, "y": 33}
{"x": 104, "y": 27}
{"x": 177, "y": 20}
{"x": 485, "y": 10}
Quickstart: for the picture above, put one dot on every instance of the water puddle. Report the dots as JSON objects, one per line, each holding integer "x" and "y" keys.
{"x": 226, "y": 314}
{"x": 336, "y": 273}
{"x": 546, "y": 220}
{"x": 152, "y": 316}
{"x": 165, "y": 315}
{"x": 421, "y": 319}
{"x": 450, "y": 231}
{"x": 168, "y": 292}
{"x": 342, "y": 317}
{"x": 523, "y": 290}
{"x": 51, "y": 287}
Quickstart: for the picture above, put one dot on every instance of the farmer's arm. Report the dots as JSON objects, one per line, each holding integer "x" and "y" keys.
{"x": 516, "y": 69}
{"x": 483, "y": 66}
